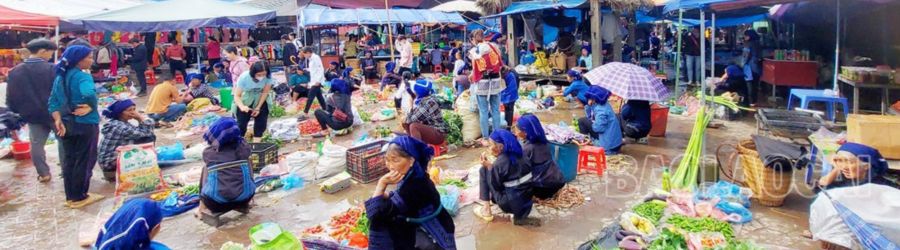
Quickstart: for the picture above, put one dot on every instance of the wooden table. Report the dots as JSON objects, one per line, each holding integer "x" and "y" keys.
{"x": 802, "y": 74}
{"x": 550, "y": 78}
{"x": 885, "y": 92}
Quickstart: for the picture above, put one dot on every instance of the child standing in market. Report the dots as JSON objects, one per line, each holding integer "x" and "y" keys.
{"x": 510, "y": 94}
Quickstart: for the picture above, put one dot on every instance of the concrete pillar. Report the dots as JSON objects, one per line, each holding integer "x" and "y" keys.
{"x": 596, "y": 42}
{"x": 511, "y": 51}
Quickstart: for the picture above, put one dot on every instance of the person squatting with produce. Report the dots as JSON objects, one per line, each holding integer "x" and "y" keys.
{"x": 298, "y": 82}
{"x": 548, "y": 179}
{"x": 165, "y": 103}
{"x": 425, "y": 122}
{"x": 133, "y": 226}
{"x": 73, "y": 106}
{"x": 251, "y": 98}
{"x": 337, "y": 113}
{"x": 198, "y": 89}
{"x": 600, "y": 121}
{"x": 119, "y": 132}
{"x": 577, "y": 87}
{"x": 855, "y": 164}
{"x": 226, "y": 145}
{"x": 636, "y": 119}
{"x": 486, "y": 85}
{"x": 411, "y": 216}
{"x": 507, "y": 181}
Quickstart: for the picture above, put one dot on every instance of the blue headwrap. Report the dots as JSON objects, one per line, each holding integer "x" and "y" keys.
{"x": 192, "y": 76}
{"x": 598, "y": 94}
{"x": 224, "y": 131}
{"x": 534, "y": 132}
{"x": 574, "y": 74}
{"x": 219, "y": 65}
{"x": 130, "y": 226}
{"x": 335, "y": 64}
{"x": 71, "y": 57}
{"x": 389, "y": 67}
{"x": 510, "y": 143}
{"x": 346, "y": 73}
{"x": 340, "y": 86}
{"x": 422, "y": 88}
{"x": 588, "y": 48}
{"x": 419, "y": 151}
{"x": 867, "y": 154}
{"x": 114, "y": 110}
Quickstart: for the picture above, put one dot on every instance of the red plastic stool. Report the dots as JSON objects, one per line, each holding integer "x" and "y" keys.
{"x": 437, "y": 69}
{"x": 179, "y": 78}
{"x": 439, "y": 149}
{"x": 150, "y": 77}
{"x": 592, "y": 158}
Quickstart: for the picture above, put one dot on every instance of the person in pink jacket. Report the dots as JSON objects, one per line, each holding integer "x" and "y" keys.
{"x": 237, "y": 64}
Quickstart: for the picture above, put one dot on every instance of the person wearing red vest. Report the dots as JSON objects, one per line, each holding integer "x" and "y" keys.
{"x": 485, "y": 79}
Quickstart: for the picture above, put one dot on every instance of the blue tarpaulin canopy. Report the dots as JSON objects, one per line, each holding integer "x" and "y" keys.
{"x": 721, "y": 22}
{"x": 324, "y": 17}
{"x": 176, "y": 15}
{"x": 527, "y": 6}
{"x": 690, "y": 4}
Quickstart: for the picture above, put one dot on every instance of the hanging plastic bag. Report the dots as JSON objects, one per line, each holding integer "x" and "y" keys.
{"x": 270, "y": 236}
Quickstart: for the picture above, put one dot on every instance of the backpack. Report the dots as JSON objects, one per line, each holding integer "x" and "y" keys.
{"x": 229, "y": 182}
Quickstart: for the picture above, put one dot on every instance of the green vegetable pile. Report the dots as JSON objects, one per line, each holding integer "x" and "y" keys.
{"x": 705, "y": 224}
{"x": 455, "y": 123}
{"x": 652, "y": 210}
{"x": 190, "y": 189}
{"x": 739, "y": 245}
{"x": 668, "y": 240}
{"x": 277, "y": 111}
{"x": 362, "y": 224}
{"x": 267, "y": 138}
{"x": 455, "y": 182}
{"x": 365, "y": 116}
{"x": 686, "y": 174}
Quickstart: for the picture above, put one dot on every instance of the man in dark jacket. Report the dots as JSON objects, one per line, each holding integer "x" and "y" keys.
{"x": 29, "y": 88}
{"x": 138, "y": 63}
{"x": 289, "y": 51}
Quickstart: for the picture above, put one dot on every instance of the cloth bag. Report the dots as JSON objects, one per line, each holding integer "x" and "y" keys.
{"x": 471, "y": 129}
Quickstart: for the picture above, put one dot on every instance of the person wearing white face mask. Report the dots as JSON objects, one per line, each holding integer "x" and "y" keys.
{"x": 251, "y": 98}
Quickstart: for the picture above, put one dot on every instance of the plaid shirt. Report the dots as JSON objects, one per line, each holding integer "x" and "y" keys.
{"x": 118, "y": 133}
{"x": 428, "y": 112}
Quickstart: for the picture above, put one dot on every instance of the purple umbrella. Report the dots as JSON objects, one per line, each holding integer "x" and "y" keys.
{"x": 629, "y": 81}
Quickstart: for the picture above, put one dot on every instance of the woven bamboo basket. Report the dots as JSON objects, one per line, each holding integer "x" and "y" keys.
{"x": 769, "y": 187}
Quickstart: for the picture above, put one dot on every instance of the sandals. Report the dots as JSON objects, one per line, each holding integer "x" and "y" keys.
{"x": 87, "y": 201}
{"x": 478, "y": 213}
{"x": 44, "y": 179}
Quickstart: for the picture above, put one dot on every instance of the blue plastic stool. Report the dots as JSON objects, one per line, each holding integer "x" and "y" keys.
{"x": 815, "y": 95}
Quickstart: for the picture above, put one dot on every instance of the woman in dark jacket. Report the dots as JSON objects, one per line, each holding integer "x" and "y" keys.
{"x": 425, "y": 121}
{"x": 339, "y": 100}
{"x": 636, "y": 120}
{"x": 536, "y": 152}
{"x": 506, "y": 181}
{"x": 369, "y": 67}
{"x": 226, "y": 145}
{"x": 411, "y": 216}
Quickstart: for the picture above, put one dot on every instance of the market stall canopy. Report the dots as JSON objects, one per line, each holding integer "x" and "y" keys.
{"x": 11, "y": 17}
{"x": 177, "y": 15}
{"x": 720, "y": 22}
{"x": 458, "y": 6}
{"x": 356, "y": 4}
{"x": 327, "y": 17}
{"x": 65, "y": 9}
{"x": 281, "y": 7}
{"x": 528, "y": 6}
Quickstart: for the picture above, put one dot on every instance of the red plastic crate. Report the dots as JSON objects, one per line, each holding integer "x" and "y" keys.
{"x": 367, "y": 163}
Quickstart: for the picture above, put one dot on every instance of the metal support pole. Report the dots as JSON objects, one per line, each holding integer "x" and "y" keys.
{"x": 678, "y": 86}
{"x": 387, "y": 8}
{"x": 56, "y": 53}
{"x": 837, "y": 48}
{"x": 702, "y": 57}
{"x": 712, "y": 42}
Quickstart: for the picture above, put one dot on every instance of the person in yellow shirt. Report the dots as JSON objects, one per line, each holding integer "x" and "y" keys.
{"x": 165, "y": 104}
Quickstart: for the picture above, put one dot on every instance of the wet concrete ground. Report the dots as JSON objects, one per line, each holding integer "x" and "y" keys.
{"x": 32, "y": 215}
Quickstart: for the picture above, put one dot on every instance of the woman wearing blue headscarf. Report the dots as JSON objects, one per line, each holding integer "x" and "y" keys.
{"x": 337, "y": 102}
{"x": 226, "y": 145}
{"x": 199, "y": 89}
{"x": 133, "y": 226}
{"x": 506, "y": 181}
{"x": 536, "y": 152}
{"x": 577, "y": 87}
{"x": 600, "y": 121}
{"x": 425, "y": 121}
{"x": 119, "y": 132}
{"x": 73, "y": 106}
{"x": 855, "y": 164}
{"x": 411, "y": 216}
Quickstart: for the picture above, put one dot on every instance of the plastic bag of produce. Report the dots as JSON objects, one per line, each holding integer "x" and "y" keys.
{"x": 357, "y": 119}
{"x": 449, "y": 198}
{"x": 269, "y": 235}
{"x": 137, "y": 171}
{"x": 635, "y": 223}
{"x": 737, "y": 213}
{"x": 333, "y": 161}
{"x": 471, "y": 129}
{"x": 195, "y": 152}
{"x": 303, "y": 164}
{"x": 706, "y": 240}
{"x": 172, "y": 152}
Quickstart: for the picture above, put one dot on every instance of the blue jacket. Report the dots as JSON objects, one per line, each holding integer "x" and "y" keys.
{"x": 81, "y": 91}
{"x": 578, "y": 88}
{"x": 636, "y": 113}
{"x": 606, "y": 125}
{"x": 511, "y": 93}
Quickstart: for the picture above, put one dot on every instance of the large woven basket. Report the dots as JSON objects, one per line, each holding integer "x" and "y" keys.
{"x": 769, "y": 186}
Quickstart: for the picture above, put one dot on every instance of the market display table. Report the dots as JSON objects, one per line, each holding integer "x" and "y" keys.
{"x": 884, "y": 87}
{"x": 790, "y": 73}
{"x": 550, "y": 78}
{"x": 795, "y": 125}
